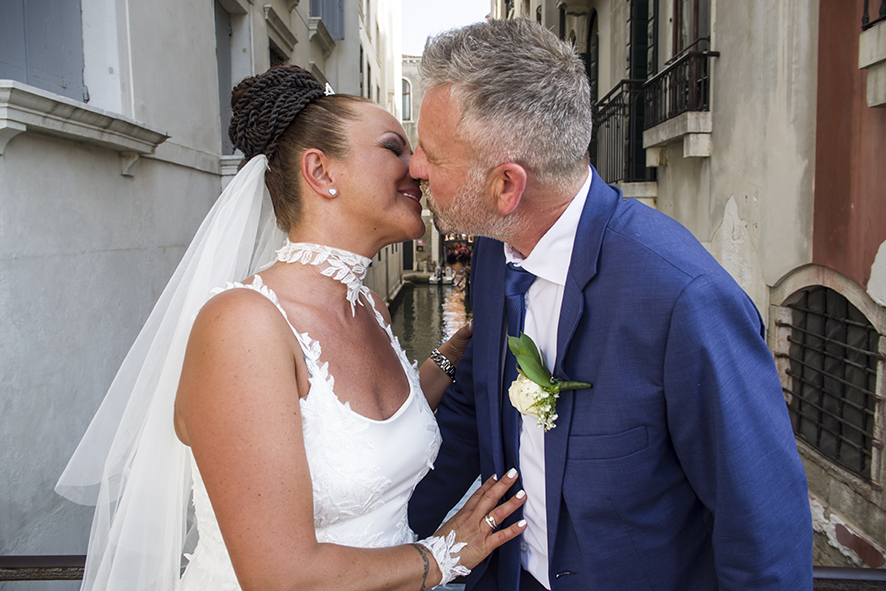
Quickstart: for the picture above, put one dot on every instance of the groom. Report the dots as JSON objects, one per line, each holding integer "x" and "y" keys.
{"x": 676, "y": 470}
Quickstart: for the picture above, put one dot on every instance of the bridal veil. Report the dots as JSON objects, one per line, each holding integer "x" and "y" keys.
{"x": 130, "y": 464}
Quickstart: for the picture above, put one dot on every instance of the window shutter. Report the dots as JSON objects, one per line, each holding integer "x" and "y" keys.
{"x": 41, "y": 44}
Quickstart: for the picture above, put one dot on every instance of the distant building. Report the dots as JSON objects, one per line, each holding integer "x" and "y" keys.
{"x": 428, "y": 250}
{"x": 760, "y": 126}
{"x": 113, "y": 146}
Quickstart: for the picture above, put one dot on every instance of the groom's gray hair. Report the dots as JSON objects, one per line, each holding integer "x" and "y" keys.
{"x": 523, "y": 93}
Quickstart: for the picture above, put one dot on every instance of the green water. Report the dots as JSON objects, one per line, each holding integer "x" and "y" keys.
{"x": 425, "y": 315}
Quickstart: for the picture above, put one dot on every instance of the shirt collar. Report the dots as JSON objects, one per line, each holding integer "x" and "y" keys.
{"x": 551, "y": 256}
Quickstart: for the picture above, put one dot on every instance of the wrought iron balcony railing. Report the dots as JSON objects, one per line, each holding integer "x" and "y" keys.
{"x": 617, "y": 148}
{"x": 866, "y": 22}
{"x": 681, "y": 87}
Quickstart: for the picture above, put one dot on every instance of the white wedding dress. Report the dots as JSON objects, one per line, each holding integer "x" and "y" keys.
{"x": 363, "y": 470}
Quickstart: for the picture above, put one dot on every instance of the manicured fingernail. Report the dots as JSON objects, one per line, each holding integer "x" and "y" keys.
{"x": 512, "y": 473}
{"x": 522, "y": 523}
{"x": 495, "y": 476}
{"x": 521, "y": 494}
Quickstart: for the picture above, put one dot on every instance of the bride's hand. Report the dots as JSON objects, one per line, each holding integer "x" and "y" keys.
{"x": 454, "y": 348}
{"x": 473, "y": 524}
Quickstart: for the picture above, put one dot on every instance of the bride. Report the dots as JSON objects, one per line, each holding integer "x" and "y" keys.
{"x": 277, "y": 412}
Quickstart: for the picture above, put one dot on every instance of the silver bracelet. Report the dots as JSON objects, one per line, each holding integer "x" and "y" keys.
{"x": 443, "y": 363}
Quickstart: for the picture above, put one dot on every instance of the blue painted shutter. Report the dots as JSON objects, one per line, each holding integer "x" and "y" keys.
{"x": 41, "y": 44}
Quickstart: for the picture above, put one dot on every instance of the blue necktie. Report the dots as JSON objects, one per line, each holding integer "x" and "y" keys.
{"x": 517, "y": 281}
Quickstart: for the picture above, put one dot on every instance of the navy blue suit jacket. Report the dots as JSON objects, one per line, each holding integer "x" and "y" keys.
{"x": 677, "y": 470}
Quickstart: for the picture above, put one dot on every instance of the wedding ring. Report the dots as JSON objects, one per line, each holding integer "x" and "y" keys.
{"x": 490, "y": 521}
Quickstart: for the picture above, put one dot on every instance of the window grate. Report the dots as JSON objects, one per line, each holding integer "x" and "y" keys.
{"x": 833, "y": 354}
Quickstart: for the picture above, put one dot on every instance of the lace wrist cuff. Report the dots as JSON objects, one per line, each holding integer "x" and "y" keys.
{"x": 444, "y": 550}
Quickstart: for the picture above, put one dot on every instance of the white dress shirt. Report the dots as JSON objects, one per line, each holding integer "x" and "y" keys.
{"x": 549, "y": 262}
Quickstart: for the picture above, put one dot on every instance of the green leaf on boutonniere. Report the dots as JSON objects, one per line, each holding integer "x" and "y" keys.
{"x": 529, "y": 361}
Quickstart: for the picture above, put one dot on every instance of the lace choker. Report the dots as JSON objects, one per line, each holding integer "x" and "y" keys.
{"x": 347, "y": 267}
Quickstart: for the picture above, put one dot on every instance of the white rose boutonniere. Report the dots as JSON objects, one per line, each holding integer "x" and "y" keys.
{"x": 535, "y": 391}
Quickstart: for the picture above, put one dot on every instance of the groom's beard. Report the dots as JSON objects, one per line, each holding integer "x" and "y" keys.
{"x": 467, "y": 213}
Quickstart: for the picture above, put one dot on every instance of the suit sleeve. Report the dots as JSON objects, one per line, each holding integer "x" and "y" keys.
{"x": 458, "y": 463}
{"x": 731, "y": 431}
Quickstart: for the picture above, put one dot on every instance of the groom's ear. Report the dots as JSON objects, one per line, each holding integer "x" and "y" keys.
{"x": 508, "y": 183}
{"x": 315, "y": 169}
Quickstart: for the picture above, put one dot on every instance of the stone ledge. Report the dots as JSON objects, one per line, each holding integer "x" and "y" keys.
{"x": 320, "y": 34}
{"x": 25, "y": 108}
{"x": 693, "y": 128}
{"x": 872, "y": 57}
{"x": 279, "y": 30}
{"x": 188, "y": 157}
{"x": 320, "y": 76}
{"x": 236, "y": 6}
{"x": 872, "y": 46}
{"x": 228, "y": 167}
{"x": 646, "y": 192}
{"x": 673, "y": 130}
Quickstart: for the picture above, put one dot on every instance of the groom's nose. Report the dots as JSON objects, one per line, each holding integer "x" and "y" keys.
{"x": 418, "y": 164}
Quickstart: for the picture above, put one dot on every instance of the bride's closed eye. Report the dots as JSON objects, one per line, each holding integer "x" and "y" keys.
{"x": 394, "y": 146}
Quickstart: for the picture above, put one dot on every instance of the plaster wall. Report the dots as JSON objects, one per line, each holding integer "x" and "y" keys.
{"x": 175, "y": 72}
{"x": 612, "y": 19}
{"x": 763, "y": 106}
{"x": 850, "y": 221}
{"x": 430, "y": 255}
{"x": 84, "y": 253}
{"x": 750, "y": 203}
{"x": 410, "y": 69}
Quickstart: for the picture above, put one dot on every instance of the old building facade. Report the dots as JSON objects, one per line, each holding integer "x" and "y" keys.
{"x": 113, "y": 146}
{"x": 760, "y": 126}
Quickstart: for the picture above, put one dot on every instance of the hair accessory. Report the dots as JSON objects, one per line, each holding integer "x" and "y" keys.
{"x": 443, "y": 363}
{"x": 333, "y": 192}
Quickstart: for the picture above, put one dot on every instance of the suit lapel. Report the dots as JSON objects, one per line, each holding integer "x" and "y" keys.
{"x": 599, "y": 207}
{"x": 492, "y": 344}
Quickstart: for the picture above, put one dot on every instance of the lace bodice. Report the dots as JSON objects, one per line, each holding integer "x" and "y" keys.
{"x": 363, "y": 471}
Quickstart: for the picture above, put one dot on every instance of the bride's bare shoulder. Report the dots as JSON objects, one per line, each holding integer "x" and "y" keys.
{"x": 242, "y": 310}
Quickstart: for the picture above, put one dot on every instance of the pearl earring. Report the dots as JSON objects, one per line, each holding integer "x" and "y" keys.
{"x": 333, "y": 192}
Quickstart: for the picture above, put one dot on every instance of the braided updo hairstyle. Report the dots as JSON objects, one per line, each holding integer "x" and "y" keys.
{"x": 280, "y": 114}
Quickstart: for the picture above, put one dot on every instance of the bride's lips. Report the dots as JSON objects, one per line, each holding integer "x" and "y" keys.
{"x": 414, "y": 194}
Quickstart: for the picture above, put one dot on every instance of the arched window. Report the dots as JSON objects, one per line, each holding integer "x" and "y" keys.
{"x": 407, "y": 100}
{"x": 831, "y": 359}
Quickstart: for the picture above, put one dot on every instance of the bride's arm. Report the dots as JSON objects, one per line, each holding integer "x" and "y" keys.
{"x": 238, "y": 408}
{"x": 434, "y": 380}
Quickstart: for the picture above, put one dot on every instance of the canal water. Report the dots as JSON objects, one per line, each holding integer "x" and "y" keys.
{"x": 424, "y": 315}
